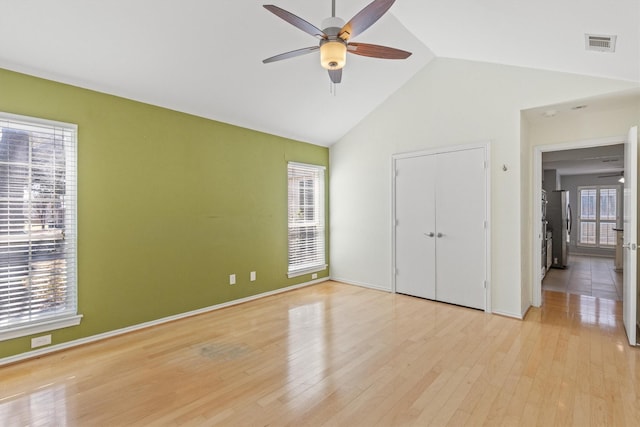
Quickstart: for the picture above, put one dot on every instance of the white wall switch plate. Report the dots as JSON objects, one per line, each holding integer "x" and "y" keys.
{"x": 40, "y": 341}
{"x": 253, "y": 276}
{"x": 232, "y": 279}
{"x": 314, "y": 276}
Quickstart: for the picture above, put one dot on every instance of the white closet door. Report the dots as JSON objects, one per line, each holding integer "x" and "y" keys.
{"x": 415, "y": 232}
{"x": 460, "y": 225}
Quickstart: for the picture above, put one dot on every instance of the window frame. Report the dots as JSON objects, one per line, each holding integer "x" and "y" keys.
{"x": 46, "y": 323}
{"x": 597, "y": 220}
{"x": 318, "y": 256}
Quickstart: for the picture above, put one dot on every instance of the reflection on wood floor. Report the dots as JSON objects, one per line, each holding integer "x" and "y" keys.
{"x": 587, "y": 310}
{"x": 335, "y": 354}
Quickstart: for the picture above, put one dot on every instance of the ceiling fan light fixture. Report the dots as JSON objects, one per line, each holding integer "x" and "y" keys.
{"x": 333, "y": 54}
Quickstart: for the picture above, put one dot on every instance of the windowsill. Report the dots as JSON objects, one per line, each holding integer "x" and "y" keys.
{"x": 309, "y": 270}
{"x": 36, "y": 328}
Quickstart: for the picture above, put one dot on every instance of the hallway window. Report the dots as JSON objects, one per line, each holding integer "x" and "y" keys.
{"x": 598, "y": 214}
{"x": 306, "y": 219}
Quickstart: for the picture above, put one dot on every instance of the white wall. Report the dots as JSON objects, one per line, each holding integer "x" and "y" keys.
{"x": 525, "y": 171}
{"x": 449, "y": 102}
{"x": 614, "y": 120}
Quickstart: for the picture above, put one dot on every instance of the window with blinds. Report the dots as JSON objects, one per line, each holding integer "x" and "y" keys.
{"x": 37, "y": 226}
{"x": 306, "y": 219}
{"x": 597, "y": 216}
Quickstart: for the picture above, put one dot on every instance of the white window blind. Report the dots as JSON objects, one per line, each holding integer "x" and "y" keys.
{"x": 597, "y": 216}
{"x": 306, "y": 219}
{"x": 37, "y": 226}
{"x": 587, "y": 216}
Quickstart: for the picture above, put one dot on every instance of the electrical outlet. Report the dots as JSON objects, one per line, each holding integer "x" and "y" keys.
{"x": 40, "y": 341}
{"x": 232, "y": 279}
{"x": 314, "y": 276}
{"x": 253, "y": 276}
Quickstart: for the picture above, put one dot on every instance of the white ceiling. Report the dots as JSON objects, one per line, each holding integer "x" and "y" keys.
{"x": 205, "y": 57}
{"x": 607, "y": 160}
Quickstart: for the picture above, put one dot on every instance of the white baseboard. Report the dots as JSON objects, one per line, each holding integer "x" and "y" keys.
{"x": 361, "y": 284}
{"x": 105, "y": 335}
{"x": 518, "y": 316}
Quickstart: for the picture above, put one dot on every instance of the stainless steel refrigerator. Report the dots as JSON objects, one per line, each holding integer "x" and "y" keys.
{"x": 559, "y": 218}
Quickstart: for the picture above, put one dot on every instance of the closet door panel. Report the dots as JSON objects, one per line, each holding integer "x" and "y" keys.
{"x": 460, "y": 224}
{"x": 415, "y": 231}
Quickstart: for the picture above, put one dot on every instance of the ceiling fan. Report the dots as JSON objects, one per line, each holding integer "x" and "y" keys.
{"x": 334, "y": 38}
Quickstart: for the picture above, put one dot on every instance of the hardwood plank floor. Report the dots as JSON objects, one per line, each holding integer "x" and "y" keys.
{"x": 335, "y": 354}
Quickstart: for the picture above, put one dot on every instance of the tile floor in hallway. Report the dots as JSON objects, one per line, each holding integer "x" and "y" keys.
{"x": 586, "y": 275}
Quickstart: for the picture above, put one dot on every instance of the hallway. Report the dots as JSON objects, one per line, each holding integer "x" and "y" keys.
{"x": 586, "y": 275}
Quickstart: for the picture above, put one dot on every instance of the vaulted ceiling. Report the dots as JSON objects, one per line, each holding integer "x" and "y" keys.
{"x": 205, "y": 57}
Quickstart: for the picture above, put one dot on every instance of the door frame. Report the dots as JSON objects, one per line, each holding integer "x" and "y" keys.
{"x": 630, "y": 238}
{"x": 536, "y": 232}
{"x": 486, "y": 146}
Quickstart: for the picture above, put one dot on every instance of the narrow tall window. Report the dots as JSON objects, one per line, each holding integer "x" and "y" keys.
{"x": 306, "y": 219}
{"x": 37, "y": 226}
{"x": 597, "y": 217}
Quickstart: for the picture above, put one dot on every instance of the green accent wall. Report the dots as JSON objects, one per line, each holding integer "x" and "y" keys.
{"x": 169, "y": 205}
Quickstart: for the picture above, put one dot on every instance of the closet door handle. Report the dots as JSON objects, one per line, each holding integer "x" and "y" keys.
{"x": 439, "y": 235}
{"x": 429, "y": 234}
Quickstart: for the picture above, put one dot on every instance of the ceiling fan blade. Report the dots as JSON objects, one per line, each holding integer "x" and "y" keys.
{"x": 365, "y": 18}
{"x": 376, "y": 51}
{"x": 291, "y": 54}
{"x": 335, "y": 75}
{"x": 296, "y": 21}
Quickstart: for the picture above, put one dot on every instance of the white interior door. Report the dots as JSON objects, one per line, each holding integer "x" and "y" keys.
{"x": 630, "y": 262}
{"x": 460, "y": 228}
{"x": 415, "y": 226}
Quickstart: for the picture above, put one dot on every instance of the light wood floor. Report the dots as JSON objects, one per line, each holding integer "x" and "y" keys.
{"x": 334, "y": 354}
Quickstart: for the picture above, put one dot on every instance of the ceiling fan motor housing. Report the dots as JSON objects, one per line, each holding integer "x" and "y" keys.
{"x": 332, "y": 26}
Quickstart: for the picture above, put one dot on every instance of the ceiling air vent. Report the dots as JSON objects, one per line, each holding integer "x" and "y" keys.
{"x": 600, "y": 43}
